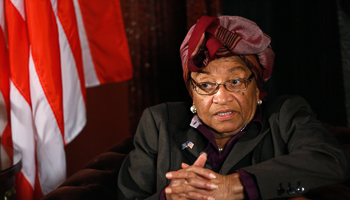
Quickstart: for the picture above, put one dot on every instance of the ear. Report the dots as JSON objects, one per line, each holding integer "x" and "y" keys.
{"x": 257, "y": 92}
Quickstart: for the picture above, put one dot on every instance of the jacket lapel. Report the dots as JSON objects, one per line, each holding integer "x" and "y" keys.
{"x": 190, "y": 135}
{"x": 243, "y": 146}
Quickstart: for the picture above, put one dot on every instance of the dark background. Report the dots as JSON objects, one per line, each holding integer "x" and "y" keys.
{"x": 308, "y": 38}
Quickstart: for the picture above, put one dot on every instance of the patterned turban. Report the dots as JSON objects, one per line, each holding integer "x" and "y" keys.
{"x": 215, "y": 37}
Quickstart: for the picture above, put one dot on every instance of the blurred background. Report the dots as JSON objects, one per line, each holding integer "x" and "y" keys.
{"x": 311, "y": 40}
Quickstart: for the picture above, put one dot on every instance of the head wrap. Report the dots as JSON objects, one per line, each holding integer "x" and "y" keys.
{"x": 214, "y": 37}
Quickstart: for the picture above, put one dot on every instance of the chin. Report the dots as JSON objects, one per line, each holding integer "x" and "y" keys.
{"x": 228, "y": 126}
{"x": 228, "y": 130}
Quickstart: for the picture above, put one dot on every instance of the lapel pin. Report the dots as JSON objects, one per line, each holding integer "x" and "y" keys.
{"x": 187, "y": 144}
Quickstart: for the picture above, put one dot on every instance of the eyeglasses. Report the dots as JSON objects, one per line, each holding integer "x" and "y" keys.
{"x": 233, "y": 85}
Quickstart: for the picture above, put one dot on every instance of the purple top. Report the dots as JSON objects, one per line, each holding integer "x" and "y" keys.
{"x": 216, "y": 159}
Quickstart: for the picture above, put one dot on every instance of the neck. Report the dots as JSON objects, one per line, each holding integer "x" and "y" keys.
{"x": 222, "y": 138}
{"x": 222, "y": 142}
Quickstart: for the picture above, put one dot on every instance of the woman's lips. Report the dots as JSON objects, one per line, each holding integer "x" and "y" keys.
{"x": 225, "y": 115}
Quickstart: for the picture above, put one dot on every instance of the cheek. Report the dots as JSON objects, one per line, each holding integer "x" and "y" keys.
{"x": 202, "y": 104}
{"x": 250, "y": 103}
{"x": 247, "y": 101}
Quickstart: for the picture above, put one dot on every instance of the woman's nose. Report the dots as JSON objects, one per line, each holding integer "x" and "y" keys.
{"x": 223, "y": 96}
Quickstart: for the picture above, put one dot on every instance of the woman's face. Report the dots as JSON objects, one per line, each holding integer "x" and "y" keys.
{"x": 225, "y": 113}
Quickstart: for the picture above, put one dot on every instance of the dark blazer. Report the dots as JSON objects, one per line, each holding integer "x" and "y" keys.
{"x": 293, "y": 154}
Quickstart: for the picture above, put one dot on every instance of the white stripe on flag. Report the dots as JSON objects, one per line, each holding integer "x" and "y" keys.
{"x": 50, "y": 147}
{"x": 73, "y": 102}
{"x": 54, "y": 6}
{"x": 89, "y": 69}
{"x": 22, "y": 132}
{"x": 19, "y": 4}
{"x": 2, "y": 15}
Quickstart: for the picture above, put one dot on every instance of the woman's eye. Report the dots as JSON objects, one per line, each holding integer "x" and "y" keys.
{"x": 205, "y": 85}
{"x": 235, "y": 81}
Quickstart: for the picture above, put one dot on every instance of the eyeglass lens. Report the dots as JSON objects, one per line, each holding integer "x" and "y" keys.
{"x": 233, "y": 85}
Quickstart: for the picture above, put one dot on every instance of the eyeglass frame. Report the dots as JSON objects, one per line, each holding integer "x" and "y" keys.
{"x": 249, "y": 80}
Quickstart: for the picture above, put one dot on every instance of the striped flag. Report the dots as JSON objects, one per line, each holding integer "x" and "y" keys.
{"x": 52, "y": 50}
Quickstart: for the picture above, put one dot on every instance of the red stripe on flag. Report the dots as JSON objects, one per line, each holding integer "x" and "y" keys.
{"x": 107, "y": 39}
{"x": 5, "y": 73}
{"x": 43, "y": 35}
{"x": 6, "y": 137}
{"x": 23, "y": 188}
{"x": 19, "y": 51}
{"x": 37, "y": 188}
{"x": 66, "y": 14}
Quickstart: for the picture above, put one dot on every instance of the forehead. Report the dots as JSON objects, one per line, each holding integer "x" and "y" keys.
{"x": 226, "y": 65}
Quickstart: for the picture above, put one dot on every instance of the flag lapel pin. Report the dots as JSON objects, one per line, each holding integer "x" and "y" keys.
{"x": 187, "y": 144}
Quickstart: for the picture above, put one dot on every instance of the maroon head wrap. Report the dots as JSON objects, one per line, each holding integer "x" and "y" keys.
{"x": 214, "y": 37}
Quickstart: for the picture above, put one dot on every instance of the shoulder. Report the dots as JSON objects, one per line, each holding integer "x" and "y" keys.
{"x": 288, "y": 111}
{"x": 286, "y": 99}
{"x": 286, "y": 114}
{"x": 286, "y": 104}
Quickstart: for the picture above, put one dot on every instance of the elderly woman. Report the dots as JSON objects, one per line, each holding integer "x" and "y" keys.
{"x": 229, "y": 143}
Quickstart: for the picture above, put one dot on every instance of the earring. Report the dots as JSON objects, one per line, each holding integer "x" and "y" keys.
{"x": 259, "y": 102}
{"x": 193, "y": 109}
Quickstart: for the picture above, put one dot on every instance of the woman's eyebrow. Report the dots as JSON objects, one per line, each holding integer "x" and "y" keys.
{"x": 228, "y": 71}
{"x": 236, "y": 68}
{"x": 202, "y": 72}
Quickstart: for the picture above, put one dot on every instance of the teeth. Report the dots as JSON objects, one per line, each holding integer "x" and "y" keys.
{"x": 226, "y": 113}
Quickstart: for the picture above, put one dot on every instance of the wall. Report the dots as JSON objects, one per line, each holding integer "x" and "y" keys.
{"x": 344, "y": 30}
{"x": 107, "y": 124}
